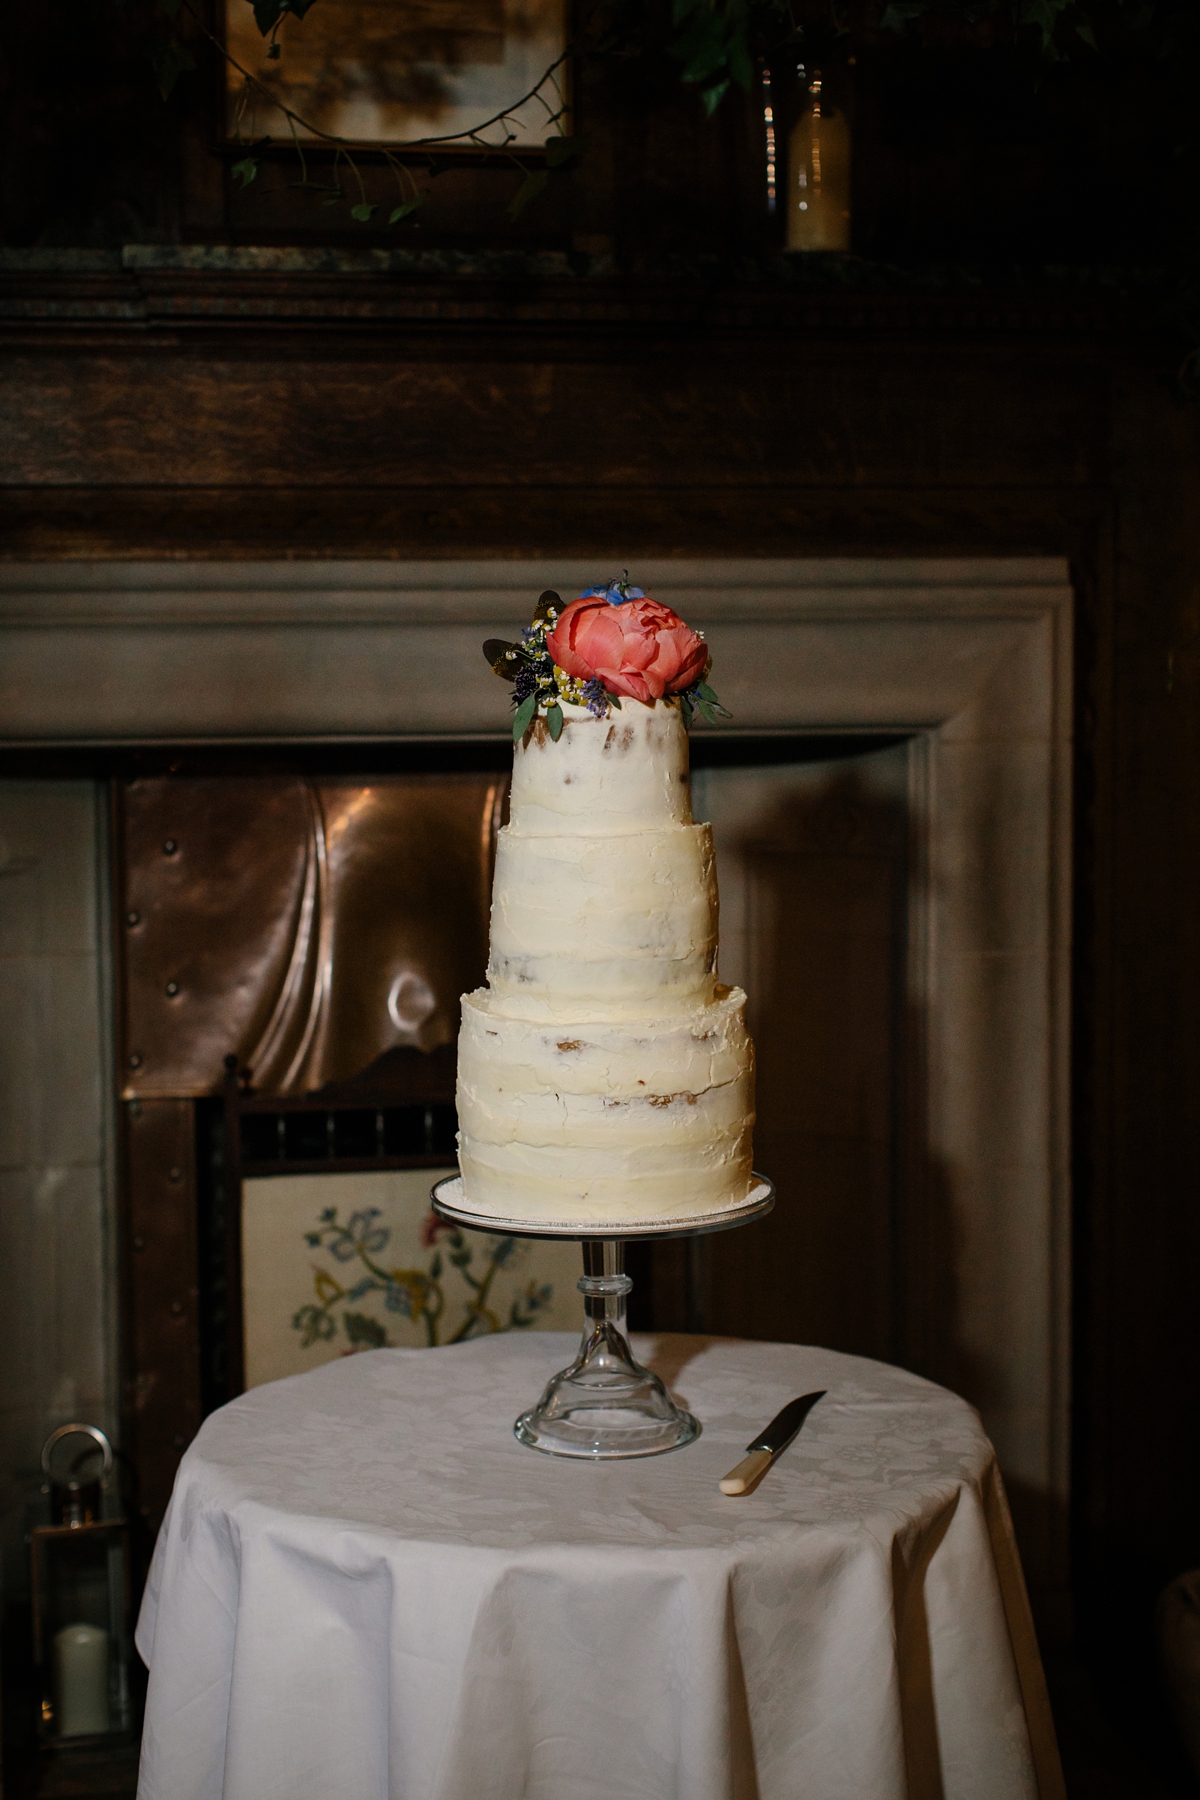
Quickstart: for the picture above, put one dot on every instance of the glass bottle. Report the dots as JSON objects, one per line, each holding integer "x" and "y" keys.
{"x": 818, "y": 178}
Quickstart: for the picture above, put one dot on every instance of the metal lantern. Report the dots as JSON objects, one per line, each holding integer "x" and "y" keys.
{"x": 80, "y": 1581}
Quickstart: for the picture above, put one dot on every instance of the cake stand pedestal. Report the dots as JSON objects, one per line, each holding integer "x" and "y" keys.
{"x": 605, "y": 1405}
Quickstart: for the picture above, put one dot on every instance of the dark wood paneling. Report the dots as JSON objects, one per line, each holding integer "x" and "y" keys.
{"x": 723, "y": 415}
{"x": 659, "y": 518}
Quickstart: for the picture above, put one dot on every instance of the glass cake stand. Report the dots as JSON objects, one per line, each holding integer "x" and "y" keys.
{"x": 606, "y": 1405}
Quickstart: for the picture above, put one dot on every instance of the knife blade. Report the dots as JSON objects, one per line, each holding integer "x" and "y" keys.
{"x": 769, "y": 1444}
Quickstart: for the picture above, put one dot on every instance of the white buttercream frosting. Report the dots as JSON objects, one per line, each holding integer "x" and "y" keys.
{"x": 603, "y": 1072}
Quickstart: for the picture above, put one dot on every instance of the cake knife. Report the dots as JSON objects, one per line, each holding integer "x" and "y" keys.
{"x": 769, "y": 1444}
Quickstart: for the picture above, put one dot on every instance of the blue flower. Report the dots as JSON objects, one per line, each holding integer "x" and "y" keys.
{"x": 616, "y": 592}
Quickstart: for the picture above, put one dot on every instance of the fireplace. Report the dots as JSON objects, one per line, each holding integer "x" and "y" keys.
{"x": 903, "y": 726}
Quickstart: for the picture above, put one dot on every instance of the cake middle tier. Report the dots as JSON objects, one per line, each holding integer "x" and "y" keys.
{"x": 630, "y": 918}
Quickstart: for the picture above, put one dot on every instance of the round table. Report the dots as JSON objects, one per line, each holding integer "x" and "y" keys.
{"x": 366, "y": 1589}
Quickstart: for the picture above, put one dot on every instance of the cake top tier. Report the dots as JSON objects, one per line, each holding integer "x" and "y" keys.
{"x": 624, "y": 772}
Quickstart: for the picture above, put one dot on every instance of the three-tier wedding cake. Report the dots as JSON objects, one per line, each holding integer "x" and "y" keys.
{"x": 604, "y": 1073}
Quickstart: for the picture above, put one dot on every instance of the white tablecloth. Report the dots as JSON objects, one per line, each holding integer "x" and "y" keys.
{"x": 365, "y": 1588}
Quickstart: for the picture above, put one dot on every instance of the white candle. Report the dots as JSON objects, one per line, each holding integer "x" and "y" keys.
{"x": 81, "y": 1680}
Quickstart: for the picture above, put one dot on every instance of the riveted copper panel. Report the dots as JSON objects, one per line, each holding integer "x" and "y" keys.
{"x": 305, "y": 926}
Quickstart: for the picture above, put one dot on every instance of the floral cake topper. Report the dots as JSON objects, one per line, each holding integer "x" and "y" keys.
{"x": 613, "y": 643}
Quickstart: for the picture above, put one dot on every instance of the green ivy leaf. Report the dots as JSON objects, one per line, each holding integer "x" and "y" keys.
{"x": 362, "y": 212}
{"x": 524, "y": 717}
{"x": 402, "y": 212}
{"x": 245, "y": 170}
{"x": 561, "y": 151}
{"x": 554, "y": 720}
{"x": 713, "y": 96}
{"x": 1088, "y": 36}
{"x": 901, "y": 13}
{"x": 530, "y": 188}
{"x": 267, "y": 14}
{"x": 169, "y": 60}
{"x": 741, "y": 66}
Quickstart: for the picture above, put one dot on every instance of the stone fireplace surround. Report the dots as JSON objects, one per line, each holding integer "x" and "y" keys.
{"x": 971, "y": 658}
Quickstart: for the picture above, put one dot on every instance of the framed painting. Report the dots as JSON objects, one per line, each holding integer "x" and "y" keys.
{"x": 393, "y": 71}
{"x": 337, "y": 1264}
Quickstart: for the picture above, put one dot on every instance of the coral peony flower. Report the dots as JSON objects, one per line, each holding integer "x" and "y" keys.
{"x": 639, "y": 648}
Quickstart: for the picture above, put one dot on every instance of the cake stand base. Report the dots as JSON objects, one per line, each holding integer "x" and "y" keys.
{"x": 606, "y": 1405}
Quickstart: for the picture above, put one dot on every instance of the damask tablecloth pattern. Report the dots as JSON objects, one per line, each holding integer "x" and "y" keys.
{"x": 365, "y": 1589}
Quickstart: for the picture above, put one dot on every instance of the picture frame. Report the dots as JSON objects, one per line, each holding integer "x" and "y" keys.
{"x": 395, "y": 73}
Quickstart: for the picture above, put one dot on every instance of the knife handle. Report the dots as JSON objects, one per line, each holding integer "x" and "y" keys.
{"x": 748, "y": 1473}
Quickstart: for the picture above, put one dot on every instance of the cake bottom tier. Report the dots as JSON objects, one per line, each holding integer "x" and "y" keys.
{"x": 642, "y": 1119}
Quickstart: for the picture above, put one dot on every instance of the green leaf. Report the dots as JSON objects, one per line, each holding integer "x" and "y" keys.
{"x": 685, "y": 707}
{"x": 362, "y": 212}
{"x": 563, "y": 150}
{"x": 529, "y": 190}
{"x": 169, "y": 61}
{"x": 707, "y": 712}
{"x": 435, "y": 1267}
{"x": 267, "y": 14}
{"x": 713, "y": 96}
{"x": 901, "y": 13}
{"x": 410, "y": 206}
{"x": 336, "y": 197}
{"x": 171, "y": 7}
{"x": 1088, "y": 36}
{"x": 614, "y": 700}
{"x": 273, "y": 53}
{"x": 740, "y": 65}
{"x": 554, "y": 720}
{"x": 245, "y": 170}
{"x": 709, "y": 700}
{"x": 524, "y": 717}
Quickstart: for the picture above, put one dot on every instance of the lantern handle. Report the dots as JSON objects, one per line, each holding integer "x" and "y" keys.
{"x": 92, "y": 1431}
